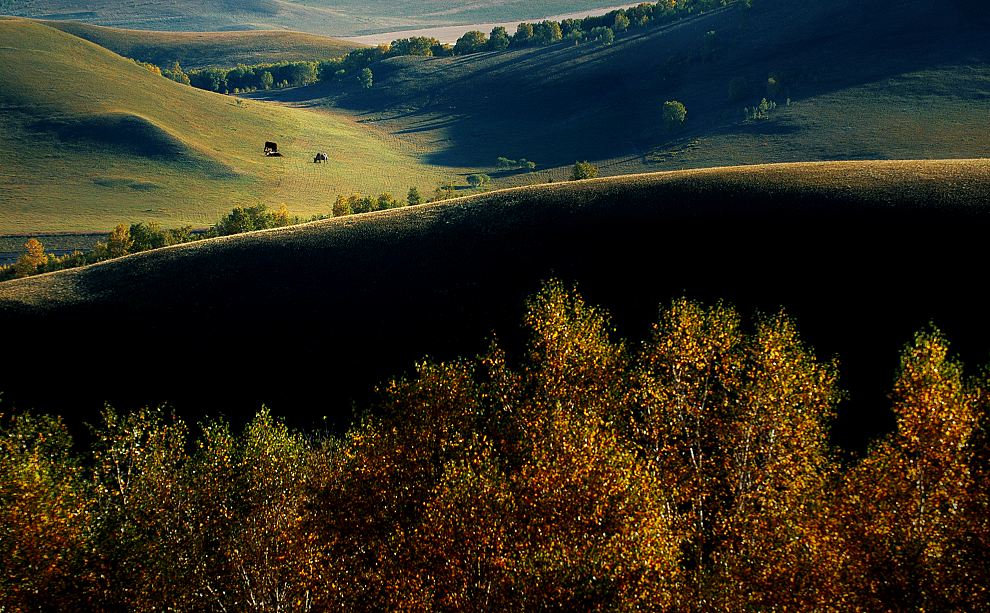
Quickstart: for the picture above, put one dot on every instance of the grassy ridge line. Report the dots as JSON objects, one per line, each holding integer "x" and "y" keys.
{"x": 925, "y": 183}
{"x": 307, "y": 320}
{"x": 205, "y": 49}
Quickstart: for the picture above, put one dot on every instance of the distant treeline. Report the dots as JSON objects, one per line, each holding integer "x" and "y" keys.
{"x": 126, "y": 239}
{"x": 600, "y": 29}
{"x": 689, "y": 471}
{"x": 242, "y": 78}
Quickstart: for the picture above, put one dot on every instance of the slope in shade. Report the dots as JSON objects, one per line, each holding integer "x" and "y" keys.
{"x": 127, "y": 134}
{"x": 309, "y": 318}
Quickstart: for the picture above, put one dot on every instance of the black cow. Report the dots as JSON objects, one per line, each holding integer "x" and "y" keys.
{"x": 320, "y": 157}
{"x": 271, "y": 148}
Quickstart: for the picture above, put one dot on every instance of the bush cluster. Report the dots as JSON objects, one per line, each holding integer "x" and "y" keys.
{"x": 125, "y": 239}
{"x": 689, "y": 471}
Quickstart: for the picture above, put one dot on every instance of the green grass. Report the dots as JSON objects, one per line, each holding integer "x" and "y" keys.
{"x": 93, "y": 140}
{"x": 204, "y": 49}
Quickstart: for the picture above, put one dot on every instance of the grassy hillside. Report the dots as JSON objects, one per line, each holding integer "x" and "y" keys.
{"x": 327, "y": 17}
{"x": 308, "y": 318}
{"x": 98, "y": 140}
{"x": 906, "y": 80}
{"x": 203, "y": 49}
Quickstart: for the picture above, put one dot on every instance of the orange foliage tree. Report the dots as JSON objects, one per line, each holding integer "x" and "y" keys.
{"x": 690, "y": 471}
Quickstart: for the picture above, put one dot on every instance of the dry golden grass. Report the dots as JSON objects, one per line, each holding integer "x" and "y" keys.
{"x": 154, "y": 150}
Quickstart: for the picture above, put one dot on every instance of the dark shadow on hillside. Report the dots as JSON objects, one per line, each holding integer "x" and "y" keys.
{"x": 207, "y": 329}
{"x": 564, "y": 103}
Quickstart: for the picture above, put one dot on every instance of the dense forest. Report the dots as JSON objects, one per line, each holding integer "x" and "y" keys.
{"x": 691, "y": 470}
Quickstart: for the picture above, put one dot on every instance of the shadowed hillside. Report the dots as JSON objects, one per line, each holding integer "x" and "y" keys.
{"x": 204, "y": 49}
{"x": 308, "y": 318}
{"x": 905, "y": 79}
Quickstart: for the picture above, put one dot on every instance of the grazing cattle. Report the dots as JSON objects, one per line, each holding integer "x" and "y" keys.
{"x": 320, "y": 158}
{"x": 271, "y": 148}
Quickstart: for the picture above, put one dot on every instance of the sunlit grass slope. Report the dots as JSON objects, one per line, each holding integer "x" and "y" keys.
{"x": 93, "y": 139}
{"x": 202, "y": 49}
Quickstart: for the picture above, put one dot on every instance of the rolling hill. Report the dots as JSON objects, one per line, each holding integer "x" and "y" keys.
{"x": 904, "y": 79}
{"x": 326, "y": 17}
{"x": 205, "y": 49}
{"x": 307, "y": 319}
{"x": 93, "y": 139}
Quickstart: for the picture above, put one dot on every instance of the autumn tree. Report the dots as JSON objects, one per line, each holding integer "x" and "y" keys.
{"x": 119, "y": 242}
{"x": 905, "y": 510}
{"x": 341, "y": 207}
{"x": 281, "y": 217}
{"x": 175, "y": 73}
{"x": 31, "y": 260}
{"x": 736, "y": 426}
{"x": 44, "y": 505}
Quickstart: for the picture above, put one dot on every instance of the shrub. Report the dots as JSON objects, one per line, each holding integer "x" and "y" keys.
{"x": 478, "y": 181}
{"x": 366, "y": 78}
{"x": 760, "y": 112}
{"x": 413, "y": 197}
{"x": 602, "y": 35}
{"x": 583, "y": 170}
{"x": 471, "y": 42}
{"x": 674, "y": 115}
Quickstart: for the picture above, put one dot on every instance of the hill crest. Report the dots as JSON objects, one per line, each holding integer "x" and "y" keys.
{"x": 833, "y": 243}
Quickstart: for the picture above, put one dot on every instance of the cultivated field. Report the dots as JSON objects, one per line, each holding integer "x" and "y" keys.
{"x": 307, "y": 319}
{"x": 326, "y": 17}
{"x": 102, "y": 141}
{"x": 204, "y": 49}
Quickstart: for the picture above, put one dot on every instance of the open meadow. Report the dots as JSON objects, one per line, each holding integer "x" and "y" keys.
{"x": 103, "y": 141}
